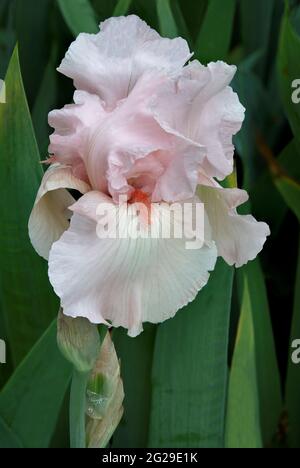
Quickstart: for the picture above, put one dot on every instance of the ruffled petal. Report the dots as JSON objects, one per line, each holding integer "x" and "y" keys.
{"x": 73, "y": 125}
{"x": 179, "y": 180}
{"x": 124, "y": 281}
{"x": 110, "y": 63}
{"x": 50, "y": 216}
{"x": 200, "y": 106}
{"x": 126, "y": 149}
{"x": 239, "y": 238}
{"x": 133, "y": 151}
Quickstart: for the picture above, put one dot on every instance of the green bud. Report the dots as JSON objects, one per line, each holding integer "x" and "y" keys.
{"x": 79, "y": 341}
{"x": 105, "y": 395}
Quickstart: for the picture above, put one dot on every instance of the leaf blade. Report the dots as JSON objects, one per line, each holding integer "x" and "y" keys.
{"x": 136, "y": 363}
{"x": 29, "y": 304}
{"x": 166, "y": 18}
{"x": 189, "y": 386}
{"x": 122, "y": 7}
{"x": 243, "y": 419}
{"x": 79, "y": 15}
{"x": 31, "y": 396}
{"x": 214, "y": 38}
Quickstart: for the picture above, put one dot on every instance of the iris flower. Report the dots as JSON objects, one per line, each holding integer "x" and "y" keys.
{"x": 150, "y": 125}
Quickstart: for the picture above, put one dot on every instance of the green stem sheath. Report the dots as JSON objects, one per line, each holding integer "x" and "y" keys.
{"x": 77, "y": 409}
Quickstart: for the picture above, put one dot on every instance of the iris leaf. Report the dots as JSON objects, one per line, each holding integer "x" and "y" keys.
{"x": 136, "y": 357}
{"x": 256, "y": 21}
{"x": 31, "y": 400}
{"x": 166, "y": 18}
{"x": 253, "y": 291}
{"x": 33, "y": 39}
{"x": 122, "y": 7}
{"x": 79, "y": 15}
{"x": 189, "y": 378}
{"x": 289, "y": 67}
{"x": 243, "y": 413}
{"x": 214, "y": 39}
{"x": 28, "y": 303}
{"x": 45, "y": 102}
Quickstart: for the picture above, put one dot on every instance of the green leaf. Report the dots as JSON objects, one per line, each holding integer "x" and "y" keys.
{"x": 167, "y": 24}
{"x": 6, "y": 370}
{"x": 273, "y": 208}
{"x": 268, "y": 377}
{"x": 79, "y": 15}
{"x": 31, "y": 400}
{"x": 180, "y": 21}
{"x": 290, "y": 191}
{"x": 214, "y": 39}
{"x": 7, "y": 44}
{"x": 29, "y": 304}
{"x": 254, "y": 401}
{"x": 122, "y": 7}
{"x": 293, "y": 376}
{"x": 193, "y": 13}
{"x": 189, "y": 379}
{"x": 285, "y": 174}
{"x": 33, "y": 39}
{"x": 136, "y": 357}
{"x": 289, "y": 68}
{"x": 44, "y": 103}
{"x": 77, "y": 409}
{"x": 7, "y": 438}
{"x": 243, "y": 411}
{"x": 259, "y": 119}
{"x": 255, "y": 25}
{"x": 61, "y": 435}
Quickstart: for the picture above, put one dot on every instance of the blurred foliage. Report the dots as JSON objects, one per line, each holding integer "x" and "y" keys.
{"x": 219, "y": 373}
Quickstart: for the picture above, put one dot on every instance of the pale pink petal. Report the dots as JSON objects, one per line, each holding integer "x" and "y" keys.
{"x": 133, "y": 151}
{"x": 110, "y": 63}
{"x": 124, "y": 281}
{"x": 125, "y": 149}
{"x": 239, "y": 238}
{"x": 180, "y": 178}
{"x": 69, "y": 144}
{"x": 200, "y": 106}
{"x": 50, "y": 216}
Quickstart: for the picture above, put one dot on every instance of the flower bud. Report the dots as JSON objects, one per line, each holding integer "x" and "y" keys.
{"x": 105, "y": 395}
{"x": 79, "y": 341}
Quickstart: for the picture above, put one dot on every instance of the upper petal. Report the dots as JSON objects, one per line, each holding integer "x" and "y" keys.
{"x": 126, "y": 148}
{"x": 124, "y": 281}
{"x": 131, "y": 150}
{"x": 50, "y": 216}
{"x": 201, "y": 107}
{"x": 239, "y": 238}
{"x": 109, "y": 63}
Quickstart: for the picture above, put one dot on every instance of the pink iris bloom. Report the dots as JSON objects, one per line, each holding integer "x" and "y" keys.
{"x": 148, "y": 125}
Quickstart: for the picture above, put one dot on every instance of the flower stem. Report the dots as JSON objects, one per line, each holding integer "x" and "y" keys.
{"x": 77, "y": 409}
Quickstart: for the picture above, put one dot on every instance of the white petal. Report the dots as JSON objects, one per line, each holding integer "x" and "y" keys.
{"x": 110, "y": 62}
{"x": 239, "y": 238}
{"x": 124, "y": 281}
{"x": 50, "y": 216}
